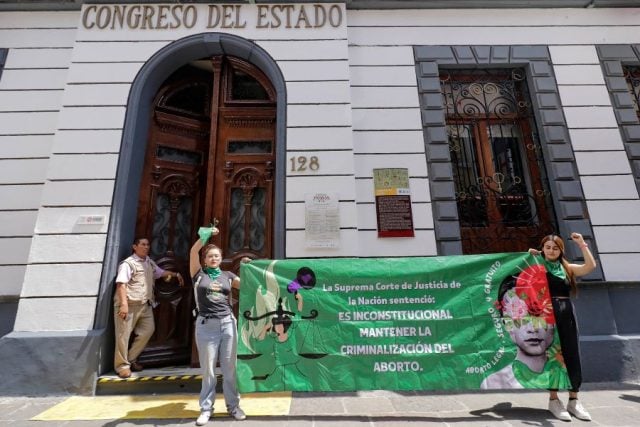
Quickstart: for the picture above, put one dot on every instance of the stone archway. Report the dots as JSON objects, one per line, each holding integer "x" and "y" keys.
{"x": 144, "y": 87}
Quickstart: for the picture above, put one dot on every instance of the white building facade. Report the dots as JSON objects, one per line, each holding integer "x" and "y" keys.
{"x": 342, "y": 89}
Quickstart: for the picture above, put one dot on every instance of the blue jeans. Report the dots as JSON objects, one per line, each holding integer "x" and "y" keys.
{"x": 217, "y": 338}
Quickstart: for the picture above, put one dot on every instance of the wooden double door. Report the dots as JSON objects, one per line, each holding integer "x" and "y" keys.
{"x": 209, "y": 157}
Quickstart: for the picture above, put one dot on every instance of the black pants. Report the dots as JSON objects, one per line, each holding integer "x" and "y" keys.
{"x": 568, "y": 333}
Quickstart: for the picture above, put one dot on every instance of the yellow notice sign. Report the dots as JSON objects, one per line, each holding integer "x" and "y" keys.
{"x": 159, "y": 407}
{"x": 391, "y": 182}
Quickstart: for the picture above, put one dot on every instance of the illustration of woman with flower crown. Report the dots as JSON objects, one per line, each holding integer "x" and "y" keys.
{"x": 525, "y": 306}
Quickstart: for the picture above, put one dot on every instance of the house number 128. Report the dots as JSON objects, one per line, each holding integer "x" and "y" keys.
{"x": 302, "y": 163}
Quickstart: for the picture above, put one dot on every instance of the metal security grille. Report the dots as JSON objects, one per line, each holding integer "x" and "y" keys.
{"x": 632, "y": 75}
{"x": 502, "y": 192}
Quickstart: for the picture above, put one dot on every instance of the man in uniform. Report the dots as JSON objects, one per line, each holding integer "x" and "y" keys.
{"x": 133, "y": 305}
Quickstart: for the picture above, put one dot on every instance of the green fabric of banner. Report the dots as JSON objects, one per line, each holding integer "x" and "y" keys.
{"x": 457, "y": 322}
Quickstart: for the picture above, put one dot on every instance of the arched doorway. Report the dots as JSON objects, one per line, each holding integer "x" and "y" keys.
{"x": 210, "y": 156}
{"x": 140, "y": 107}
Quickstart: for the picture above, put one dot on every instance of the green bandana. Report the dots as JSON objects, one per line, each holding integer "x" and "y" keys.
{"x": 555, "y": 268}
{"x": 205, "y": 234}
{"x": 213, "y": 273}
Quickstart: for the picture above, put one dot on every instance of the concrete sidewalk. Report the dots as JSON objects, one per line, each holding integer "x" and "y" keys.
{"x": 616, "y": 404}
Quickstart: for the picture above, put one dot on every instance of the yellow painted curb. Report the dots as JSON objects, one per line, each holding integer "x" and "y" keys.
{"x": 168, "y": 406}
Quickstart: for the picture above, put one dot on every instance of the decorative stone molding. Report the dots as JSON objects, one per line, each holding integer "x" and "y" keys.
{"x": 568, "y": 198}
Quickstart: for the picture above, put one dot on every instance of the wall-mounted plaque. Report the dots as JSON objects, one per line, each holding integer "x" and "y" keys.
{"x": 393, "y": 202}
{"x": 322, "y": 220}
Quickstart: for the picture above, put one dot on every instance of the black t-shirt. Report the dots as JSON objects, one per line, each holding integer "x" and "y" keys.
{"x": 558, "y": 287}
{"x": 212, "y": 296}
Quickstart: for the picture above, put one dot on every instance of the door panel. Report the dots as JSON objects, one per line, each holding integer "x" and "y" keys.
{"x": 246, "y": 145}
{"x": 169, "y": 202}
{"x": 209, "y": 155}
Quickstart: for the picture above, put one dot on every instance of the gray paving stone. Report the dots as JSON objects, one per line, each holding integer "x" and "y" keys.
{"x": 362, "y": 405}
{"x": 473, "y": 420}
{"x": 342, "y": 421}
{"x": 543, "y": 422}
{"x": 611, "y": 404}
{"x": 28, "y": 408}
{"x": 8, "y": 408}
{"x": 479, "y": 401}
{"x": 273, "y": 421}
{"x": 297, "y": 422}
{"x": 616, "y": 415}
{"x": 316, "y": 406}
{"x": 510, "y": 413}
{"x": 383, "y": 393}
{"x": 427, "y": 404}
{"x": 411, "y": 421}
{"x": 132, "y": 423}
{"x": 27, "y": 423}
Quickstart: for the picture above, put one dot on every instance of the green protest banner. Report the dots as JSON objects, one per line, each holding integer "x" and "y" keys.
{"x": 457, "y": 322}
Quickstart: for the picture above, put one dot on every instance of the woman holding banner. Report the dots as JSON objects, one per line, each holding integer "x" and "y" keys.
{"x": 561, "y": 276}
{"x": 216, "y": 327}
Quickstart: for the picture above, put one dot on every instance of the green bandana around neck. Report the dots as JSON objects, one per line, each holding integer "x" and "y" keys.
{"x": 555, "y": 268}
{"x": 213, "y": 273}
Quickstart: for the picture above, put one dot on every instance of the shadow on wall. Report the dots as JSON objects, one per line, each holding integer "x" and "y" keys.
{"x": 8, "y": 311}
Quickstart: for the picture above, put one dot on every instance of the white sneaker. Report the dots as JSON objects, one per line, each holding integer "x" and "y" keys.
{"x": 557, "y": 409}
{"x": 575, "y": 408}
{"x": 238, "y": 414}
{"x": 203, "y": 418}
